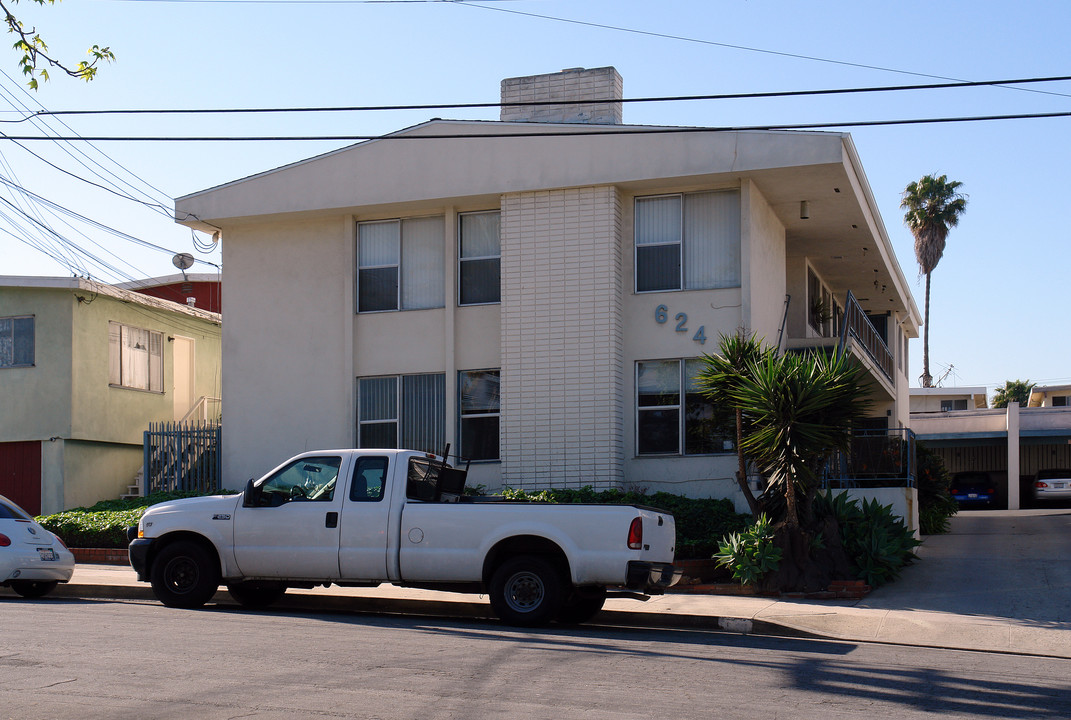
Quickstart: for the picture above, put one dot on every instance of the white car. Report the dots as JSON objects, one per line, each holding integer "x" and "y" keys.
{"x": 32, "y": 560}
{"x": 1052, "y": 485}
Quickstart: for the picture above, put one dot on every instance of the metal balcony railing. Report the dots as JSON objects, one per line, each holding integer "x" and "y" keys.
{"x": 856, "y": 325}
{"x": 878, "y": 458}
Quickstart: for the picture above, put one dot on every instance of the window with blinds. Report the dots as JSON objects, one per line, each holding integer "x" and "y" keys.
{"x": 402, "y": 411}
{"x": 688, "y": 241}
{"x": 400, "y": 264}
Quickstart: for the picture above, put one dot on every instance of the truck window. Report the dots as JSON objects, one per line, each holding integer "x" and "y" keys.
{"x": 368, "y": 479}
{"x": 310, "y": 478}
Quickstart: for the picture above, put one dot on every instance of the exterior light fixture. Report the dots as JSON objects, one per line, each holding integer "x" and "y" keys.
{"x": 805, "y": 210}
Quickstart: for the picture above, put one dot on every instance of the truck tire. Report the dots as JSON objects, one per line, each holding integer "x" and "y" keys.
{"x": 33, "y": 588}
{"x": 526, "y": 591}
{"x": 253, "y": 594}
{"x": 582, "y": 606}
{"x": 184, "y": 575}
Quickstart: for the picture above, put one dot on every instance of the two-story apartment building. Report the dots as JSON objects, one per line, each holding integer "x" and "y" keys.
{"x": 539, "y": 291}
{"x": 84, "y": 368}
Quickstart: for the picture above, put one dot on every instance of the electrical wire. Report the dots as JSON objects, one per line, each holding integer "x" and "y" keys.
{"x": 594, "y": 130}
{"x": 538, "y": 103}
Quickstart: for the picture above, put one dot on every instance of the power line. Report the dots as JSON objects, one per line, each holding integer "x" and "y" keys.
{"x": 682, "y": 38}
{"x": 538, "y": 103}
{"x": 593, "y": 131}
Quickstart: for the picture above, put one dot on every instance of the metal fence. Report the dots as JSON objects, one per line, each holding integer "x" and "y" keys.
{"x": 182, "y": 457}
{"x": 878, "y": 458}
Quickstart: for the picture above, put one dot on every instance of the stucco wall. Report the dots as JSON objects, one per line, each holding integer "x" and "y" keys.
{"x": 97, "y": 471}
{"x": 288, "y": 343}
{"x": 764, "y": 265}
{"x": 35, "y": 401}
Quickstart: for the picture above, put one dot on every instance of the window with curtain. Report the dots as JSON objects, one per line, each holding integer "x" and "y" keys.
{"x": 135, "y": 358}
{"x": 16, "y": 342}
{"x": 400, "y": 264}
{"x": 672, "y": 422}
{"x": 402, "y": 411}
{"x": 479, "y": 258}
{"x": 479, "y": 413}
{"x": 687, "y": 241}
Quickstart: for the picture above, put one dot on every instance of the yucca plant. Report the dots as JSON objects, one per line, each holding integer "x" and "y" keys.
{"x": 801, "y": 408}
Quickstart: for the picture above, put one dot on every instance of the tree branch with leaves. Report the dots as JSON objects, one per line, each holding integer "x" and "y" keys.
{"x": 36, "y": 60}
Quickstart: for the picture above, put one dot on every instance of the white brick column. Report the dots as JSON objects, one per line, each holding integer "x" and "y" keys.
{"x": 562, "y": 363}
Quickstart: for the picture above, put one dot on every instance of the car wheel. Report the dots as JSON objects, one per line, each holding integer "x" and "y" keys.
{"x": 33, "y": 588}
{"x": 526, "y": 591}
{"x": 184, "y": 575}
{"x": 256, "y": 594}
{"x": 582, "y": 606}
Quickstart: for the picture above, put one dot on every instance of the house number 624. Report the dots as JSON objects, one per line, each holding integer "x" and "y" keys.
{"x": 661, "y": 315}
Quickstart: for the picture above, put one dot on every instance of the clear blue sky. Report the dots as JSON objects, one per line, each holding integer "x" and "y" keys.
{"x": 999, "y": 308}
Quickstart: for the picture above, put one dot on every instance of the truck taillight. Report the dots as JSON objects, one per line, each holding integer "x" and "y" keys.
{"x": 635, "y": 534}
{"x": 4, "y": 540}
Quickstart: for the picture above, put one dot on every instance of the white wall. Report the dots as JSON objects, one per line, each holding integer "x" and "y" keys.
{"x": 288, "y": 383}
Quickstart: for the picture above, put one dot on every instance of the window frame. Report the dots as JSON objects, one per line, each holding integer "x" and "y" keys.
{"x": 477, "y": 258}
{"x": 682, "y": 240}
{"x": 462, "y": 416}
{"x": 31, "y": 341}
{"x": 154, "y": 370}
{"x": 399, "y": 418}
{"x": 681, "y": 407}
{"x": 400, "y": 266}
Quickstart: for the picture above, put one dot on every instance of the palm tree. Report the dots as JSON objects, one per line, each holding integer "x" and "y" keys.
{"x": 801, "y": 407}
{"x": 933, "y": 205}
{"x": 1013, "y": 391}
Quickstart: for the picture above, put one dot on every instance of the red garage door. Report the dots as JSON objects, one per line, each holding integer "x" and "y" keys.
{"x": 20, "y": 474}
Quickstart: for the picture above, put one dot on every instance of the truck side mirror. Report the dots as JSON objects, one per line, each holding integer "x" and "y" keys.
{"x": 251, "y": 495}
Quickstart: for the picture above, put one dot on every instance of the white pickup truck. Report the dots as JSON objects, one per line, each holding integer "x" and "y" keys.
{"x": 365, "y": 517}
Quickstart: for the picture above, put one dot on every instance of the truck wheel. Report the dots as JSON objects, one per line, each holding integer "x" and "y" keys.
{"x": 253, "y": 594}
{"x": 582, "y": 606}
{"x": 184, "y": 575}
{"x": 33, "y": 588}
{"x": 526, "y": 591}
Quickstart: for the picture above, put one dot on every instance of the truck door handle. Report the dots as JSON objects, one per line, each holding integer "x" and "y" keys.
{"x": 332, "y": 520}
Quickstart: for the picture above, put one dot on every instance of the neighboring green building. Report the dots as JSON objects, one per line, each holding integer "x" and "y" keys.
{"x": 84, "y": 368}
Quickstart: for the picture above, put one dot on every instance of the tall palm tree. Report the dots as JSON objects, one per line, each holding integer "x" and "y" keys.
{"x": 933, "y": 205}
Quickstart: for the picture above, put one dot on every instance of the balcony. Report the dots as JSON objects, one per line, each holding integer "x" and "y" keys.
{"x": 878, "y": 458}
{"x": 853, "y": 332}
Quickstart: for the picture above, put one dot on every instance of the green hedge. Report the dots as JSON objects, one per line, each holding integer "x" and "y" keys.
{"x": 701, "y": 524}
{"x": 103, "y": 525}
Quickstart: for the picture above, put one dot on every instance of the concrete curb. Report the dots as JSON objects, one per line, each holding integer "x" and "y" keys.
{"x": 298, "y": 601}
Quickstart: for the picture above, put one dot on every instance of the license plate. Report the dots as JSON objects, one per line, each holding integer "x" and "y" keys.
{"x": 1058, "y": 485}
{"x": 972, "y": 496}
{"x": 48, "y": 554}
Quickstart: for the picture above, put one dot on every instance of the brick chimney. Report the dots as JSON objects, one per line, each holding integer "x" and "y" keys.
{"x": 571, "y": 84}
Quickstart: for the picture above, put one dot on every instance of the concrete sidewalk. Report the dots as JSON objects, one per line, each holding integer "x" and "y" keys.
{"x": 994, "y": 584}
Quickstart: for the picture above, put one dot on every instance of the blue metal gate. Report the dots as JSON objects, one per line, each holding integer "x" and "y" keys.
{"x": 182, "y": 457}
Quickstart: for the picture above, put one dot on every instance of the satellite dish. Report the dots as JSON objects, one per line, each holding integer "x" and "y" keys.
{"x": 183, "y": 261}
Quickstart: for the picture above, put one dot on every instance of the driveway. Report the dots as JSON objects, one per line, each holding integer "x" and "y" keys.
{"x": 994, "y": 563}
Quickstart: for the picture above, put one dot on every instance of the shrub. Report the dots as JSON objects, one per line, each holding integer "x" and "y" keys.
{"x": 936, "y": 505}
{"x": 877, "y": 542}
{"x": 700, "y": 523}
{"x": 104, "y": 525}
{"x": 751, "y": 553}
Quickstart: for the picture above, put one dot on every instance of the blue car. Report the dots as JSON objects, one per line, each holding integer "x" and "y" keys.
{"x": 973, "y": 489}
